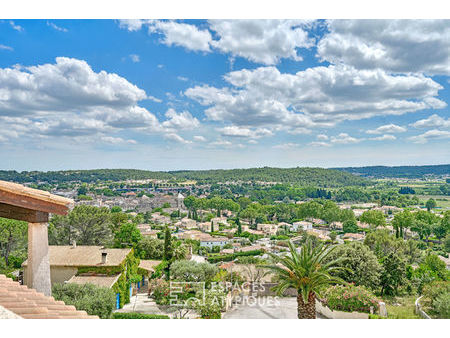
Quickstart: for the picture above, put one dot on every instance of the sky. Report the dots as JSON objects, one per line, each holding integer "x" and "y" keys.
{"x": 203, "y": 94}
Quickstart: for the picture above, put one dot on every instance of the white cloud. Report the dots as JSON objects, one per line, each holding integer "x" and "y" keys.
{"x": 69, "y": 99}
{"x": 388, "y": 128}
{"x": 4, "y": 47}
{"x": 116, "y": 140}
{"x": 433, "y": 121}
{"x": 316, "y": 97}
{"x": 199, "y": 138}
{"x": 181, "y": 34}
{"x": 183, "y": 120}
{"x": 16, "y": 27}
{"x": 385, "y": 137}
{"x": 433, "y": 134}
{"x": 235, "y": 131}
{"x": 319, "y": 144}
{"x": 322, "y": 137}
{"x": 182, "y": 78}
{"x": 132, "y": 24}
{"x": 177, "y": 138}
{"x": 135, "y": 58}
{"x": 222, "y": 143}
{"x": 60, "y": 29}
{"x": 261, "y": 41}
{"x": 344, "y": 138}
{"x": 286, "y": 146}
{"x": 399, "y": 46}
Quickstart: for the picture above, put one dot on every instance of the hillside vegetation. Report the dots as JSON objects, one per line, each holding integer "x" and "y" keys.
{"x": 400, "y": 171}
{"x": 302, "y": 176}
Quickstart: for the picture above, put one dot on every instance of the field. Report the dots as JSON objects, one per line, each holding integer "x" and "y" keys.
{"x": 441, "y": 200}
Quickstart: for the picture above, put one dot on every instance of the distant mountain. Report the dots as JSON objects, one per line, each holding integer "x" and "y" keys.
{"x": 317, "y": 177}
{"x": 399, "y": 171}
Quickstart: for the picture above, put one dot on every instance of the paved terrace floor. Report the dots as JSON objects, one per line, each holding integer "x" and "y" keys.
{"x": 264, "y": 308}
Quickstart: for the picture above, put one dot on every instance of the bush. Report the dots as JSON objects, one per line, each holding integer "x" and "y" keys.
{"x": 441, "y": 305}
{"x": 349, "y": 298}
{"x": 160, "y": 291}
{"x": 135, "y": 315}
{"x": 230, "y": 257}
{"x": 93, "y": 299}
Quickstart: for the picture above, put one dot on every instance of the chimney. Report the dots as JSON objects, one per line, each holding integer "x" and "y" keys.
{"x": 74, "y": 244}
{"x": 104, "y": 257}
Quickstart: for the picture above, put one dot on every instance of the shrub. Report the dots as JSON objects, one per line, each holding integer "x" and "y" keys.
{"x": 93, "y": 299}
{"x": 211, "y": 305}
{"x": 135, "y": 315}
{"x": 349, "y": 298}
{"x": 441, "y": 305}
{"x": 160, "y": 291}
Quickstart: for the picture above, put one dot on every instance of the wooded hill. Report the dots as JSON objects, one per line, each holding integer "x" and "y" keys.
{"x": 302, "y": 176}
{"x": 399, "y": 171}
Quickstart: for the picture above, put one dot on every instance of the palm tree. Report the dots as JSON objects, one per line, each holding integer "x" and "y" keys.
{"x": 308, "y": 271}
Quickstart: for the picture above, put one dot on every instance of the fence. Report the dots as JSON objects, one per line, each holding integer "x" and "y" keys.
{"x": 419, "y": 310}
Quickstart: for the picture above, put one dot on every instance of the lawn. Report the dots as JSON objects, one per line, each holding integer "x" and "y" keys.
{"x": 401, "y": 308}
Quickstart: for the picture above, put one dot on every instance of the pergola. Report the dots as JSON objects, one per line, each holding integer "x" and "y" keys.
{"x": 33, "y": 206}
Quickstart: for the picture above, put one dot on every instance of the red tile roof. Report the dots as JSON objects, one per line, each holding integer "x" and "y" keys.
{"x": 30, "y": 304}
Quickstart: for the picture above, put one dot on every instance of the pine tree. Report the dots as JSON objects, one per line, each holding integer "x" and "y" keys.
{"x": 239, "y": 226}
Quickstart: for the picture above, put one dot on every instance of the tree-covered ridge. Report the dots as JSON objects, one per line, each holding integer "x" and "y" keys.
{"x": 399, "y": 171}
{"x": 302, "y": 176}
{"x": 87, "y": 176}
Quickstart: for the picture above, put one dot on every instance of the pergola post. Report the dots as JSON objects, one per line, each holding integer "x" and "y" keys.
{"x": 38, "y": 270}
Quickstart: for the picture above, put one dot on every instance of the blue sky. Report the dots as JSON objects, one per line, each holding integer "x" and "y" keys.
{"x": 197, "y": 94}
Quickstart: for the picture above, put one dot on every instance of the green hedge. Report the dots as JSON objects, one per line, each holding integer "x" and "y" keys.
{"x": 135, "y": 315}
{"x": 230, "y": 257}
{"x": 93, "y": 299}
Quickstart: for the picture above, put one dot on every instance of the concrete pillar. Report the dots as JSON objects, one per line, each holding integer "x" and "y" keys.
{"x": 38, "y": 270}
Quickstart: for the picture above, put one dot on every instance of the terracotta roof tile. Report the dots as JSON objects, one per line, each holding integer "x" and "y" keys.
{"x": 28, "y": 303}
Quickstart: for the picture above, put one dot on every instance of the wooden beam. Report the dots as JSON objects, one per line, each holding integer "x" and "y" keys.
{"x": 23, "y": 214}
{"x": 32, "y": 203}
{"x": 21, "y": 196}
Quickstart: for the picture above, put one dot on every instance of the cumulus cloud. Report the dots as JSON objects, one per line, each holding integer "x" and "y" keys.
{"x": 177, "y": 138}
{"x": 385, "y": 137}
{"x": 199, "y": 138}
{"x": 433, "y": 134}
{"x": 322, "y": 137}
{"x": 344, "y": 138}
{"x": 181, "y": 34}
{"x": 69, "y": 99}
{"x": 433, "y": 121}
{"x": 183, "y": 120}
{"x": 116, "y": 140}
{"x": 398, "y": 46}
{"x": 235, "y": 131}
{"x": 315, "y": 97}
{"x": 388, "y": 128}
{"x": 261, "y": 41}
{"x": 132, "y": 24}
